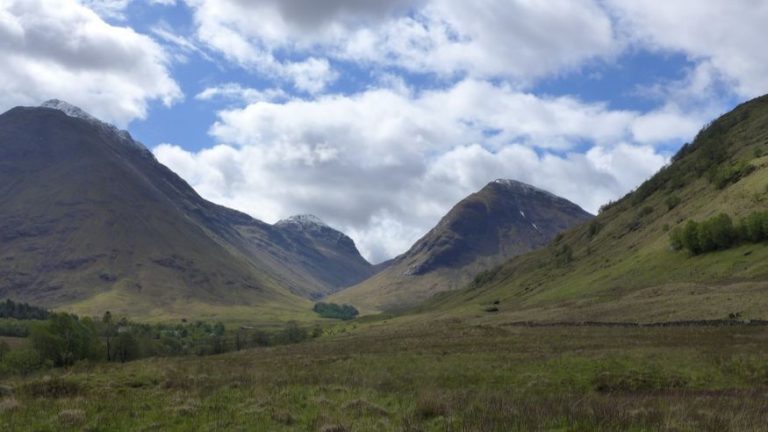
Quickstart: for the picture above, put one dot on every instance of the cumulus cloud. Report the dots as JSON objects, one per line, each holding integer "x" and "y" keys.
{"x": 61, "y": 49}
{"x": 725, "y": 36}
{"x": 515, "y": 39}
{"x": 384, "y": 165}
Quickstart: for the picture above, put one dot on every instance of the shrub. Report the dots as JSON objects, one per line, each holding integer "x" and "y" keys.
{"x": 594, "y": 228}
{"x": 722, "y": 231}
{"x": 125, "y": 348}
{"x": 14, "y": 327}
{"x": 645, "y": 211}
{"x": 4, "y": 349}
{"x": 722, "y": 176}
{"x": 676, "y": 239}
{"x": 293, "y": 333}
{"x": 563, "y": 255}
{"x": 672, "y": 201}
{"x": 485, "y": 276}
{"x": 756, "y": 227}
{"x": 22, "y": 361}
{"x": 52, "y": 388}
{"x": 691, "y": 237}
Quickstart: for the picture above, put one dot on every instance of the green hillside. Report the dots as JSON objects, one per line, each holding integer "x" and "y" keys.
{"x": 621, "y": 267}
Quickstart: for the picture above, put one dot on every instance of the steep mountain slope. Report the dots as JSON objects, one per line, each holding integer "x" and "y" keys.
{"x": 328, "y": 254}
{"x": 91, "y": 221}
{"x": 504, "y": 219}
{"x": 621, "y": 267}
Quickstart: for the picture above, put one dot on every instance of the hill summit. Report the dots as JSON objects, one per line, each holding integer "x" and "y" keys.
{"x": 504, "y": 219}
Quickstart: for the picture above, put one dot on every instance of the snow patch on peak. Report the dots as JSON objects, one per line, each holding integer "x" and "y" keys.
{"x": 525, "y": 187}
{"x": 69, "y": 109}
{"x": 77, "y": 112}
{"x": 305, "y": 221}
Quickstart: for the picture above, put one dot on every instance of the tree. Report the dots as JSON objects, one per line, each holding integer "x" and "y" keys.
{"x": 260, "y": 338}
{"x": 64, "y": 339}
{"x": 721, "y": 231}
{"x": 754, "y": 227}
{"x": 594, "y": 228}
{"x": 218, "y": 329}
{"x": 293, "y": 333}
{"x": 126, "y": 347}
{"x": 22, "y": 311}
{"x": 109, "y": 330}
{"x": 676, "y": 239}
{"x": 691, "y": 237}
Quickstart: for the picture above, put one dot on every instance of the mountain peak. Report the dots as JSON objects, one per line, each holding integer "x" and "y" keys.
{"x": 79, "y": 113}
{"x": 303, "y": 221}
{"x": 69, "y": 109}
{"x": 520, "y": 186}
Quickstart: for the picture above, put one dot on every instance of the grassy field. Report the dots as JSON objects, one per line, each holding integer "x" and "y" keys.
{"x": 439, "y": 376}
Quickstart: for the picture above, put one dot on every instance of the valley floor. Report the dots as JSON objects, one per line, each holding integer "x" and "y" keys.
{"x": 440, "y": 376}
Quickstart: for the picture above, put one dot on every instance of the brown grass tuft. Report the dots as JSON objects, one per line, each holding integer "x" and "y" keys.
{"x": 71, "y": 417}
{"x": 283, "y": 417}
{"x": 9, "y": 405}
{"x": 363, "y": 408}
{"x": 52, "y": 388}
{"x": 431, "y": 405}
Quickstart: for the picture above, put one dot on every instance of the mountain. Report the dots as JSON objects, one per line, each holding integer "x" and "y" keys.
{"x": 622, "y": 266}
{"x": 325, "y": 259}
{"x": 90, "y": 221}
{"x": 504, "y": 219}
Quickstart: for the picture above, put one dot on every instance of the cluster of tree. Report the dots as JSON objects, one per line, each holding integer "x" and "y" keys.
{"x": 719, "y": 233}
{"x": 724, "y": 175}
{"x": 61, "y": 340}
{"x": 708, "y": 155}
{"x": 14, "y": 328}
{"x": 64, "y": 339}
{"x": 335, "y": 311}
{"x": 22, "y": 311}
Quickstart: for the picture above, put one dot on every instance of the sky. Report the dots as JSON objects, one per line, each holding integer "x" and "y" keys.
{"x": 379, "y": 116}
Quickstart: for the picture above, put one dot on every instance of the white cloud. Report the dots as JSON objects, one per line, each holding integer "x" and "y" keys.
{"x": 725, "y": 35}
{"x": 225, "y": 26}
{"x": 183, "y": 46}
{"x": 115, "y": 9}
{"x": 518, "y": 39}
{"x": 385, "y": 165}
{"x": 237, "y": 93}
{"x": 60, "y": 49}
{"x": 107, "y": 8}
